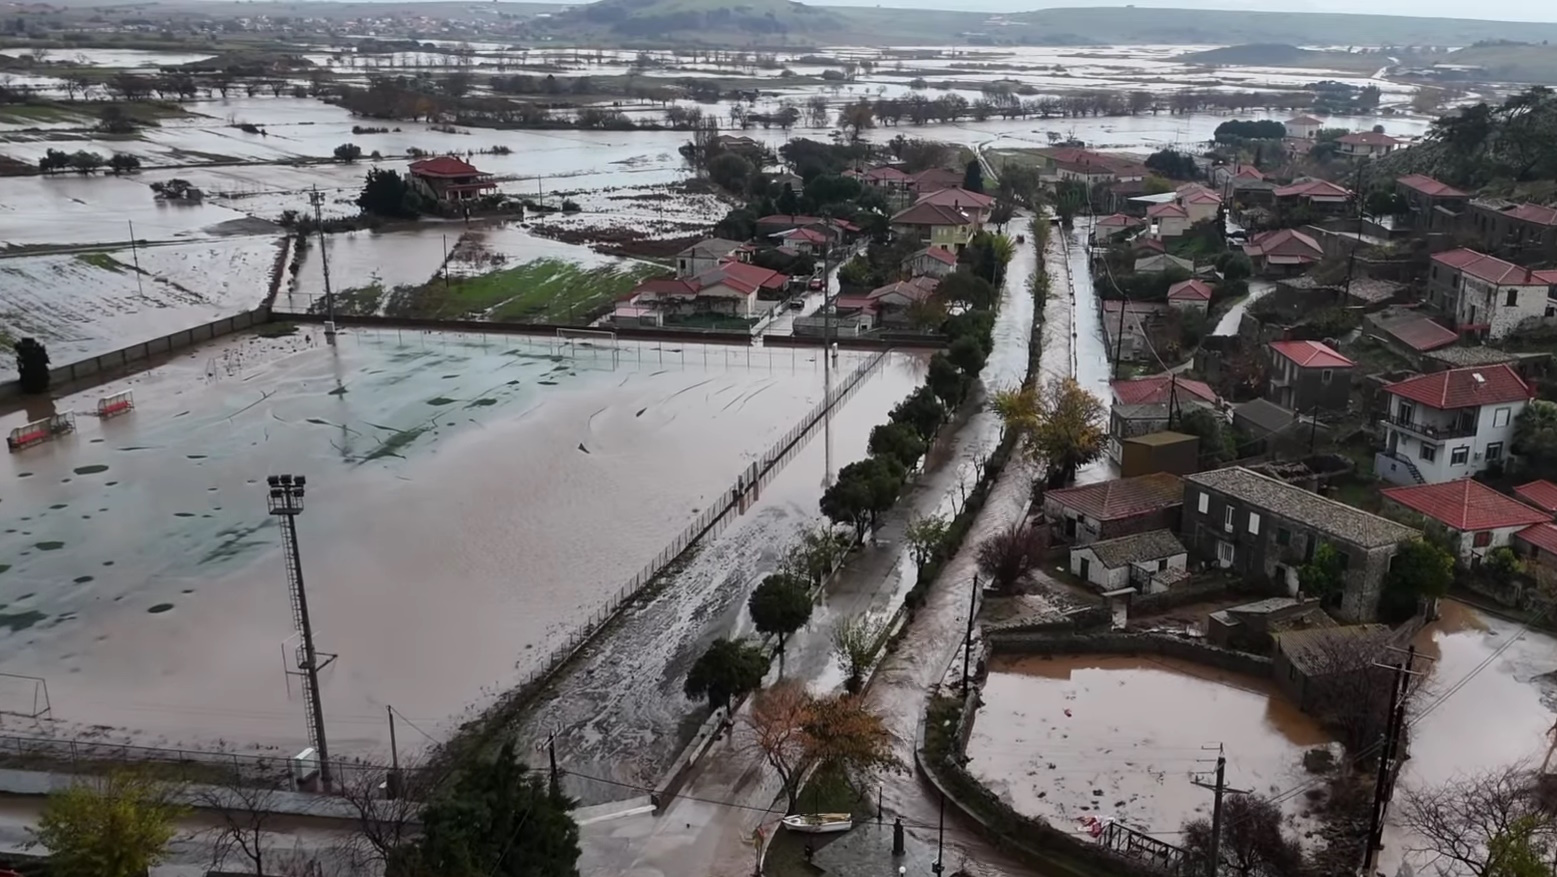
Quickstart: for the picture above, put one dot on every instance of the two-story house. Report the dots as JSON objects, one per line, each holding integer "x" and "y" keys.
{"x": 934, "y": 225}
{"x": 1199, "y": 202}
{"x": 1450, "y": 424}
{"x": 1283, "y": 251}
{"x": 1268, "y": 529}
{"x": 1485, "y": 296}
{"x": 1308, "y": 376}
{"x": 1167, "y": 220}
{"x": 705, "y": 254}
{"x": 1367, "y": 144}
{"x": 1303, "y": 127}
{"x": 1317, "y": 197}
{"x": 1476, "y": 518}
{"x": 976, "y": 205}
{"x": 1431, "y": 207}
{"x": 1523, "y": 232}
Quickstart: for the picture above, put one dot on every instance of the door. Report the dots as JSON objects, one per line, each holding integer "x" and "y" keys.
{"x": 1086, "y": 570}
{"x": 1224, "y": 554}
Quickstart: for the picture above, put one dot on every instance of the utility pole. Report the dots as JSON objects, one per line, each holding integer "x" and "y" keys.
{"x": 940, "y": 836}
{"x": 285, "y": 500}
{"x": 551, "y": 754}
{"x": 1124, "y": 305}
{"x": 135, "y": 255}
{"x": 967, "y": 641}
{"x": 1351, "y": 261}
{"x": 1219, "y": 789}
{"x": 1389, "y": 755}
{"x": 392, "y": 785}
{"x": 316, "y": 198}
{"x": 827, "y": 359}
{"x": 1313, "y": 428}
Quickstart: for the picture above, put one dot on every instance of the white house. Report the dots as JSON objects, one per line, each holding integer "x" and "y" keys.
{"x": 1450, "y": 424}
{"x": 1303, "y": 127}
{"x": 1476, "y": 517}
{"x": 1145, "y": 561}
{"x": 1486, "y": 296}
{"x": 703, "y": 255}
{"x": 1190, "y": 295}
{"x": 1367, "y": 144}
{"x": 1168, "y": 220}
{"x": 1200, "y": 203}
{"x": 930, "y": 262}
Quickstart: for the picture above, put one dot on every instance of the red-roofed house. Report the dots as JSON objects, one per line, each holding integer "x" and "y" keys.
{"x": 730, "y": 288}
{"x": 1190, "y": 295}
{"x": 1431, "y": 205}
{"x": 896, "y": 300}
{"x": 1114, "y": 227}
{"x": 882, "y": 177}
{"x": 1199, "y": 202}
{"x": 1308, "y": 375}
{"x": 1450, "y": 424}
{"x": 1283, "y": 251}
{"x": 1523, "y": 232}
{"x": 1158, "y": 390}
{"x": 1367, "y": 144}
{"x": 1110, "y": 509}
{"x": 1485, "y": 296}
{"x": 1539, "y": 543}
{"x": 1319, "y": 197}
{"x": 934, "y": 180}
{"x": 934, "y": 225}
{"x": 803, "y": 240}
{"x": 1541, "y": 494}
{"x": 930, "y": 262}
{"x": 1304, "y": 127}
{"x": 975, "y": 205}
{"x": 1167, "y": 220}
{"x": 1477, "y": 517}
{"x": 447, "y": 179}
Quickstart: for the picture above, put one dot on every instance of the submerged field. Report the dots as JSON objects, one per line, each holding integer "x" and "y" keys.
{"x": 470, "y": 499}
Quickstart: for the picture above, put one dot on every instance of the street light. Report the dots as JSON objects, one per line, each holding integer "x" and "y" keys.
{"x": 284, "y": 498}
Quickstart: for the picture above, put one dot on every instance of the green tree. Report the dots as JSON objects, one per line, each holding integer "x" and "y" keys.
{"x": 855, "y": 644}
{"x": 385, "y": 193}
{"x": 780, "y": 606}
{"x": 123, "y": 163}
{"x": 54, "y": 160}
{"x": 1535, "y": 439}
{"x": 945, "y": 380}
{"x": 84, "y": 162}
{"x": 898, "y": 441}
{"x": 32, "y": 366}
{"x": 114, "y": 827}
{"x": 863, "y": 491}
{"x": 728, "y": 669}
{"x": 927, "y": 539}
{"x": 1323, "y": 576}
{"x": 973, "y": 177}
{"x": 1217, "y": 444}
{"x": 1420, "y": 569}
{"x": 922, "y": 411}
{"x": 966, "y": 354}
{"x": 1234, "y": 265}
{"x": 966, "y": 289}
{"x": 979, "y": 325}
{"x": 498, "y": 818}
{"x": 1252, "y": 843}
{"x": 348, "y": 152}
{"x": 819, "y": 553}
{"x": 731, "y": 171}
{"x": 1060, "y": 425}
{"x": 1521, "y": 850}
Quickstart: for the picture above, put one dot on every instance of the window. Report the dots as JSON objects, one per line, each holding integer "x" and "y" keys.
{"x": 1405, "y": 412}
{"x": 1345, "y": 559}
{"x": 1460, "y": 456}
{"x": 1324, "y": 376}
{"x": 1482, "y": 539}
{"x": 1512, "y": 299}
{"x": 1429, "y": 452}
{"x": 1254, "y": 523}
{"x": 1435, "y": 272}
{"x": 1205, "y": 503}
{"x": 1500, "y": 417}
{"x": 1283, "y": 536}
{"x": 1224, "y": 553}
{"x": 1227, "y": 519}
{"x": 1494, "y": 452}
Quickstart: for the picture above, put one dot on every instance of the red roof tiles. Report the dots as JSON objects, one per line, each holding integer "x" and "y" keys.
{"x": 956, "y": 196}
{"x": 1541, "y": 494}
{"x": 927, "y": 213}
{"x": 1466, "y": 505}
{"x": 1122, "y": 498}
{"x": 1189, "y": 290}
{"x": 1491, "y": 268}
{"x": 1311, "y": 354}
{"x": 1542, "y": 536}
{"x": 1313, "y": 189}
{"x": 1430, "y": 187}
{"x": 1284, "y": 243}
{"x": 1464, "y": 387}
{"x": 443, "y": 166}
{"x": 1159, "y": 211}
{"x": 1118, "y": 220}
{"x": 1533, "y": 213}
{"x": 1369, "y": 138}
{"x": 1156, "y": 390}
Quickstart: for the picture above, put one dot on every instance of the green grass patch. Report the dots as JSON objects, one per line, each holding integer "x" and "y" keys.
{"x": 542, "y": 290}
{"x": 395, "y": 443}
{"x": 32, "y": 114}
{"x": 103, "y": 261}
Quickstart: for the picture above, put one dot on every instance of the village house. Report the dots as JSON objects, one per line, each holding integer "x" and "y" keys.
{"x": 1486, "y": 297}
{"x": 1265, "y": 529}
{"x": 1317, "y": 197}
{"x": 1537, "y": 543}
{"x": 806, "y": 241}
{"x": 1308, "y": 376}
{"x": 1432, "y": 207}
{"x": 1250, "y": 189}
{"x": 1476, "y": 518}
{"x": 1074, "y": 163}
{"x": 730, "y": 289}
{"x": 934, "y": 179}
{"x": 447, "y": 179}
{"x": 1304, "y": 127}
{"x": 1284, "y": 251}
{"x": 1540, "y": 494}
{"x": 1088, "y": 513}
{"x": 1304, "y": 660}
{"x": 1157, "y": 263}
{"x": 934, "y": 225}
{"x": 894, "y": 303}
{"x": 1250, "y": 626}
{"x": 884, "y": 177}
{"x": 1367, "y": 144}
{"x": 1408, "y": 331}
{"x": 779, "y": 222}
{"x": 1199, "y": 203}
{"x": 976, "y": 206}
{"x": 1526, "y": 233}
{"x": 1114, "y": 228}
{"x": 1146, "y": 405}
{"x": 1449, "y": 425}
{"x": 1167, "y": 220}
{"x": 930, "y": 262}
{"x": 706, "y": 254}
{"x": 1148, "y": 562}
{"x": 1127, "y": 327}
{"x": 1190, "y": 295}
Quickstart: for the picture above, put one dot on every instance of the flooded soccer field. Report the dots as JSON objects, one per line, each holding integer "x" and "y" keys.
{"x": 1065, "y": 738}
{"x": 470, "y": 498}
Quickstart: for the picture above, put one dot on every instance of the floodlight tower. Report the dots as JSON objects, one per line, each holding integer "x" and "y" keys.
{"x": 285, "y": 500}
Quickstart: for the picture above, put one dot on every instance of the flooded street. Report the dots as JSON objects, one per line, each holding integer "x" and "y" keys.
{"x": 1073, "y": 341}
{"x": 1229, "y": 322}
{"x": 1070, "y": 737}
{"x": 470, "y": 499}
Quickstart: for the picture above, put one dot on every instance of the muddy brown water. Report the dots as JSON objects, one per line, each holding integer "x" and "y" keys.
{"x": 1069, "y": 737}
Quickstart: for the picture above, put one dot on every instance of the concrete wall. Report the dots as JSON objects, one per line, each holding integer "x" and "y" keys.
{"x": 1120, "y": 643}
{"x": 107, "y": 366}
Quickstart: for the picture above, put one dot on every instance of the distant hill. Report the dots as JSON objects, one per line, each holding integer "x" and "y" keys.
{"x": 702, "y": 21}
{"x": 1502, "y": 61}
{"x": 1284, "y": 55}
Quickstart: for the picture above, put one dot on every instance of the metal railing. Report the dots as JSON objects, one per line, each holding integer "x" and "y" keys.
{"x": 1453, "y": 430}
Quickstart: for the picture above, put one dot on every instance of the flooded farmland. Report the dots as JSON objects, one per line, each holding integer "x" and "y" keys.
{"x": 1123, "y": 737}
{"x": 470, "y": 498}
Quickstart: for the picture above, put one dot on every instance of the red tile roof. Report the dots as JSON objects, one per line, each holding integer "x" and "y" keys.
{"x": 926, "y": 213}
{"x": 793, "y": 220}
{"x": 809, "y": 235}
{"x": 939, "y": 254}
{"x": 1311, "y": 354}
{"x": 1156, "y": 390}
{"x": 1122, "y": 498}
{"x": 1158, "y": 211}
{"x": 664, "y": 286}
{"x": 1464, "y": 387}
{"x": 443, "y": 166}
{"x": 1313, "y": 189}
{"x": 935, "y": 178}
{"x": 1248, "y": 172}
{"x": 1369, "y": 138}
{"x": 885, "y": 173}
{"x": 956, "y": 196}
{"x": 1420, "y": 333}
{"x": 1284, "y": 242}
{"x": 741, "y": 276}
{"x": 1541, "y": 494}
{"x": 1466, "y": 505}
{"x": 1189, "y": 290}
{"x": 1118, "y": 220}
{"x": 1542, "y": 536}
{"x": 1430, "y": 187}
{"x": 918, "y": 289}
{"x": 1533, "y": 213}
{"x": 1305, "y": 120}
{"x": 1491, "y": 268}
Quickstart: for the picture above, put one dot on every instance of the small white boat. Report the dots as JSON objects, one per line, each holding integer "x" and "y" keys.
{"x": 819, "y": 823}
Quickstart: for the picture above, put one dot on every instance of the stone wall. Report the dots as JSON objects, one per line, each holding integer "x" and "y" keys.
{"x": 1123, "y": 643}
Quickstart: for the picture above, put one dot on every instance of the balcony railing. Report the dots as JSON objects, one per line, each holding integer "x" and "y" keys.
{"x": 1453, "y": 430}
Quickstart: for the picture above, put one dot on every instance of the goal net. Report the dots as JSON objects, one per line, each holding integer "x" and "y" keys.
{"x": 595, "y": 341}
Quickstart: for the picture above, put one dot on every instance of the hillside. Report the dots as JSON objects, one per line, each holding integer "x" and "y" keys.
{"x": 1283, "y": 55}
{"x": 1143, "y": 25}
{"x": 702, "y": 21}
{"x": 1502, "y": 61}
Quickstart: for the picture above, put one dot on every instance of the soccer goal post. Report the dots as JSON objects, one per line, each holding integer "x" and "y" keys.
{"x": 595, "y": 339}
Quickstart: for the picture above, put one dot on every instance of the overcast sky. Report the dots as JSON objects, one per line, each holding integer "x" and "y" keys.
{"x": 1505, "y": 10}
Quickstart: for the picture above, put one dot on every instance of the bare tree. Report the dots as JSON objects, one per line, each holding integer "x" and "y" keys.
{"x": 777, "y": 718}
{"x": 1461, "y": 820}
{"x": 383, "y": 824}
{"x": 1349, "y": 684}
{"x": 1253, "y": 844}
{"x": 245, "y": 815}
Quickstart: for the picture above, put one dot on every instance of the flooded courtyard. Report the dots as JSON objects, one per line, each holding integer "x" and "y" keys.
{"x": 1069, "y": 737}
{"x": 470, "y": 498}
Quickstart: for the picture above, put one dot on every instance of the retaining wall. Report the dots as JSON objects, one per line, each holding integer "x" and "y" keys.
{"x": 1122, "y": 643}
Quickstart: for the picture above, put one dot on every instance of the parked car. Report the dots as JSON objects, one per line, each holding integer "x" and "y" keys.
{"x": 815, "y": 285}
{"x": 796, "y": 304}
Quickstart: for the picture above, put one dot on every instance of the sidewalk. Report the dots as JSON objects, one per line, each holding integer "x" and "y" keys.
{"x": 33, "y": 783}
